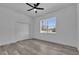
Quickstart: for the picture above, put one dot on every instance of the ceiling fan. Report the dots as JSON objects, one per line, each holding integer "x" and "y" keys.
{"x": 34, "y": 7}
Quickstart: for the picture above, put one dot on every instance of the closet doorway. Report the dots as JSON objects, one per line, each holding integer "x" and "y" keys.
{"x": 22, "y": 31}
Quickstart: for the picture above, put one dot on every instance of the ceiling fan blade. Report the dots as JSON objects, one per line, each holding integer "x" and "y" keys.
{"x": 40, "y": 8}
{"x": 37, "y": 4}
{"x": 29, "y": 4}
{"x": 34, "y": 5}
{"x": 30, "y": 9}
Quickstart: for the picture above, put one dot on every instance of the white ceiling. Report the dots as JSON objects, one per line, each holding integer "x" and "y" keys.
{"x": 22, "y": 7}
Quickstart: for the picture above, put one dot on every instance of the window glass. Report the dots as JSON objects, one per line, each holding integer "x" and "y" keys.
{"x": 48, "y": 25}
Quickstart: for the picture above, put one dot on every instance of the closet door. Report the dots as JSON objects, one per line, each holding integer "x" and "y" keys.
{"x": 22, "y": 31}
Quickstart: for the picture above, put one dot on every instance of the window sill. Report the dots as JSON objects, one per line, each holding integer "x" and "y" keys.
{"x": 48, "y": 32}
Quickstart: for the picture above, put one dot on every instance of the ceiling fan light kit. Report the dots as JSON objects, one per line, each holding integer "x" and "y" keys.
{"x": 34, "y": 7}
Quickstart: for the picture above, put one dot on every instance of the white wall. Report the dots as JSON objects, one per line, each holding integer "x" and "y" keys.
{"x": 8, "y": 19}
{"x": 66, "y": 27}
{"x": 78, "y": 25}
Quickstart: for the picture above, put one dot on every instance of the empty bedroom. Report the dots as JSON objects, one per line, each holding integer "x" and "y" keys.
{"x": 39, "y": 29}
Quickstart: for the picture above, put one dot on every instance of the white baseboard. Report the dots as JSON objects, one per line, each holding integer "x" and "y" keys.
{"x": 10, "y": 42}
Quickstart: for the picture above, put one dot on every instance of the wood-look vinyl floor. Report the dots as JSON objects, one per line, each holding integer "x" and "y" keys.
{"x": 36, "y": 47}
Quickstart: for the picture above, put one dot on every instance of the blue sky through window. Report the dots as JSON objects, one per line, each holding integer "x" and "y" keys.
{"x": 52, "y": 22}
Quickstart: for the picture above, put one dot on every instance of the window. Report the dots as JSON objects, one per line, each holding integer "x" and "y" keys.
{"x": 48, "y": 25}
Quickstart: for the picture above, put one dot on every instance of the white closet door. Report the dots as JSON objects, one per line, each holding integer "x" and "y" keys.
{"x": 22, "y": 31}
